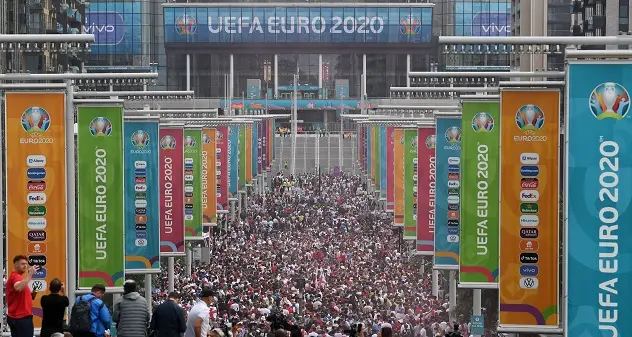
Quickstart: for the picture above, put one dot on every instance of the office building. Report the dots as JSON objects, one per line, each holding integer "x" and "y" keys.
{"x": 601, "y": 18}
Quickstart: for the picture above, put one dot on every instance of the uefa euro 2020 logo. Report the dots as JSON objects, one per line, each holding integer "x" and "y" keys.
{"x": 140, "y": 138}
{"x": 482, "y": 122}
{"x": 609, "y": 100}
{"x": 453, "y": 135}
{"x": 431, "y": 141}
{"x": 100, "y": 127}
{"x": 168, "y": 142}
{"x": 206, "y": 139}
{"x": 189, "y": 141}
{"x": 219, "y": 135}
{"x": 530, "y": 118}
{"x": 410, "y": 25}
{"x": 413, "y": 142}
{"x": 186, "y": 25}
{"x": 35, "y": 120}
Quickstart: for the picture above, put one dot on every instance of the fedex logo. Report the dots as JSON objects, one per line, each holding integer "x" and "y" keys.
{"x": 36, "y": 198}
{"x": 529, "y": 195}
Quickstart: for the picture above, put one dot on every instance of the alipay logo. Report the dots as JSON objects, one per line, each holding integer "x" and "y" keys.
{"x": 36, "y": 161}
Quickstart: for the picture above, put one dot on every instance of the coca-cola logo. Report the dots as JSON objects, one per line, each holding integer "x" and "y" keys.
{"x": 529, "y": 183}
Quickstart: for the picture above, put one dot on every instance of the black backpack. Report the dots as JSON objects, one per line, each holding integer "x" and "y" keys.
{"x": 80, "y": 320}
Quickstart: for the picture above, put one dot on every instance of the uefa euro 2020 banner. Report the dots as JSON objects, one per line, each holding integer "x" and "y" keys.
{"x": 598, "y": 199}
{"x": 171, "y": 190}
{"x": 233, "y": 161}
{"x": 448, "y": 172}
{"x": 142, "y": 205}
{"x": 390, "y": 163}
{"x": 424, "y": 195}
{"x": 192, "y": 183}
{"x": 221, "y": 134}
{"x": 313, "y": 24}
{"x": 208, "y": 176}
{"x": 384, "y": 141}
{"x": 398, "y": 175}
{"x": 410, "y": 183}
{"x": 529, "y": 279}
{"x": 101, "y": 251}
{"x": 35, "y": 142}
{"x": 479, "y": 188}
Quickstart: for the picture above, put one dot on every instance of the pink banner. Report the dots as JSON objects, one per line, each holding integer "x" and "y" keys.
{"x": 269, "y": 144}
{"x": 171, "y": 191}
{"x": 390, "y": 168}
{"x": 362, "y": 148}
{"x": 222, "y": 168}
{"x": 426, "y": 190}
{"x": 260, "y": 136}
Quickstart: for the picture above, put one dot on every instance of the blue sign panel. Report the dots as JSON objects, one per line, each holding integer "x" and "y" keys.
{"x": 116, "y": 27}
{"x": 482, "y": 18}
{"x": 142, "y": 235}
{"x": 448, "y": 169}
{"x": 598, "y": 198}
{"x": 297, "y": 24}
{"x": 477, "y": 325}
{"x": 303, "y": 104}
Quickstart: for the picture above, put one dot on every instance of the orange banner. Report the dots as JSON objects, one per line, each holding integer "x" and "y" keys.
{"x": 398, "y": 173}
{"x": 209, "y": 177}
{"x": 529, "y": 235}
{"x": 36, "y": 186}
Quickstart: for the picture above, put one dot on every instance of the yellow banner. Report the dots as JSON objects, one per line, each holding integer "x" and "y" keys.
{"x": 529, "y": 235}
{"x": 398, "y": 173}
{"x": 36, "y": 186}
{"x": 209, "y": 177}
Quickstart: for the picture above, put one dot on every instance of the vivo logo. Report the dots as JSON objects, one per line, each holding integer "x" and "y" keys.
{"x": 496, "y": 30}
{"x": 527, "y": 270}
{"x": 93, "y": 29}
{"x": 529, "y": 158}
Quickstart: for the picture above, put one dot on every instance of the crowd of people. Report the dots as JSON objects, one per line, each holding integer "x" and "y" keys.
{"x": 314, "y": 256}
{"x": 320, "y": 252}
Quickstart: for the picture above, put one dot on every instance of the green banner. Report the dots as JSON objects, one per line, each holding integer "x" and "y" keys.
{"x": 410, "y": 184}
{"x": 480, "y": 149}
{"x": 192, "y": 183}
{"x": 242, "y": 158}
{"x": 100, "y": 199}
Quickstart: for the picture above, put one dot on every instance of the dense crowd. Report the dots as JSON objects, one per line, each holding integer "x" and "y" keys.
{"x": 320, "y": 254}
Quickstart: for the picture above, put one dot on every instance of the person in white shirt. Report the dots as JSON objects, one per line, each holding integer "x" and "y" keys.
{"x": 198, "y": 321}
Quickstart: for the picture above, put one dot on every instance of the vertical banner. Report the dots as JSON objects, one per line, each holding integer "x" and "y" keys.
{"x": 171, "y": 190}
{"x": 241, "y": 155}
{"x": 448, "y": 175}
{"x": 233, "y": 161}
{"x": 101, "y": 251}
{"x": 370, "y": 154}
{"x": 398, "y": 175}
{"x": 192, "y": 183}
{"x": 222, "y": 167}
{"x": 479, "y": 188}
{"x": 255, "y": 149}
{"x": 142, "y": 233}
{"x": 209, "y": 177}
{"x": 597, "y": 190}
{"x": 425, "y": 193}
{"x": 260, "y": 135}
{"x": 248, "y": 155}
{"x": 377, "y": 146}
{"x": 410, "y": 184}
{"x": 390, "y": 162}
{"x": 383, "y": 143}
{"x": 35, "y": 142}
{"x": 529, "y": 235}
{"x": 270, "y": 144}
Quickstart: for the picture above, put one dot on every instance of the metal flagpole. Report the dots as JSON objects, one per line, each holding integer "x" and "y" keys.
{"x": 294, "y": 124}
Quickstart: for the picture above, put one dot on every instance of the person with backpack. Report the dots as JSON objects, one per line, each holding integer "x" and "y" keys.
{"x": 89, "y": 316}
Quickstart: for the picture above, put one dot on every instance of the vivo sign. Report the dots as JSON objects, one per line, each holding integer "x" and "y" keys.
{"x": 491, "y": 24}
{"x": 108, "y": 27}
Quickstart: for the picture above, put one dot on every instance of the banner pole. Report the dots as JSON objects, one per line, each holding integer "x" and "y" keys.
{"x": 170, "y": 273}
{"x": 71, "y": 230}
{"x": 452, "y": 296}
{"x": 148, "y": 291}
{"x": 189, "y": 258}
{"x": 435, "y": 283}
{"x": 476, "y": 304}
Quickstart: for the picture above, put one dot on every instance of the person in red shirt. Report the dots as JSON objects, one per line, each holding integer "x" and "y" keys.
{"x": 19, "y": 300}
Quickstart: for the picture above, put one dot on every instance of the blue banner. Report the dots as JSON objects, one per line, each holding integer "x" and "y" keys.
{"x": 255, "y": 149}
{"x": 448, "y": 168}
{"x": 482, "y": 18}
{"x": 382, "y": 177}
{"x": 233, "y": 160}
{"x": 142, "y": 232}
{"x": 598, "y": 199}
{"x": 117, "y": 27}
{"x": 315, "y": 24}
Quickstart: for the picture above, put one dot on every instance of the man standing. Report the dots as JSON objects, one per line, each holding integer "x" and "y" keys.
{"x": 90, "y": 317}
{"x": 131, "y": 313}
{"x": 19, "y": 299}
{"x": 198, "y": 320}
{"x": 168, "y": 319}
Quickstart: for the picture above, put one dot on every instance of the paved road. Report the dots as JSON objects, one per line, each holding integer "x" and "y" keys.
{"x": 306, "y": 153}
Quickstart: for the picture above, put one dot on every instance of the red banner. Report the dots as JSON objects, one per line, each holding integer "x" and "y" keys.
{"x": 171, "y": 191}
{"x": 426, "y": 141}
